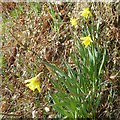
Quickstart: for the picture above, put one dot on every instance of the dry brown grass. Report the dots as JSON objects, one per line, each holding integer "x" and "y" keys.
{"x": 28, "y": 37}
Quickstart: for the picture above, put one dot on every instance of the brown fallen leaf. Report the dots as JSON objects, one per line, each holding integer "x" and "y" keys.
{"x": 3, "y": 106}
{"x": 114, "y": 76}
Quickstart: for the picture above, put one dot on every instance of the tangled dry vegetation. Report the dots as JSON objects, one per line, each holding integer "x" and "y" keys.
{"x": 29, "y": 35}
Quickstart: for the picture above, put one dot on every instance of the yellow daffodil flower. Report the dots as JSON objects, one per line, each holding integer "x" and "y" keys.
{"x": 86, "y": 40}
{"x": 73, "y": 22}
{"x": 34, "y": 83}
{"x": 85, "y": 13}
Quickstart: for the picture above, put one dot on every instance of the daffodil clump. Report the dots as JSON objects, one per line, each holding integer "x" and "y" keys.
{"x": 33, "y": 83}
{"x": 86, "y": 40}
{"x": 86, "y": 13}
{"x": 73, "y": 22}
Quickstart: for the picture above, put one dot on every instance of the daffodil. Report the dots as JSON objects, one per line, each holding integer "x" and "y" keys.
{"x": 85, "y": 13}
{"x": 86, "y": 40}
{"x": 33, "y": 83}
{"x": 73, "y": 22}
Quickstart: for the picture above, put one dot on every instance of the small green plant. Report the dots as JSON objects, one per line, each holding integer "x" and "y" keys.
{"x": 55, "y": 17}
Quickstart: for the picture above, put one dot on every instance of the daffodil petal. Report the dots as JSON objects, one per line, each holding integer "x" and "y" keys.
{"x": 85, "y": 13}
{"x": 86, "y": 40}
{"x": 33, "y": 83}
{"x": 30, "y": 86}
{"x": 73, "y": 22}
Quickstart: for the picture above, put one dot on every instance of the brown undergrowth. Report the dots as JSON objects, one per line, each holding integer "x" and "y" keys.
{"x": 28, "y": 36}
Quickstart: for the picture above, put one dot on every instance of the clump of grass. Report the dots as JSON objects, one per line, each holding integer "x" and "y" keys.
{"x": 77, "y": 91}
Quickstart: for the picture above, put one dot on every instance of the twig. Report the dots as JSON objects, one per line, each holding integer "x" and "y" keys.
{"x": 10, "y": 114}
